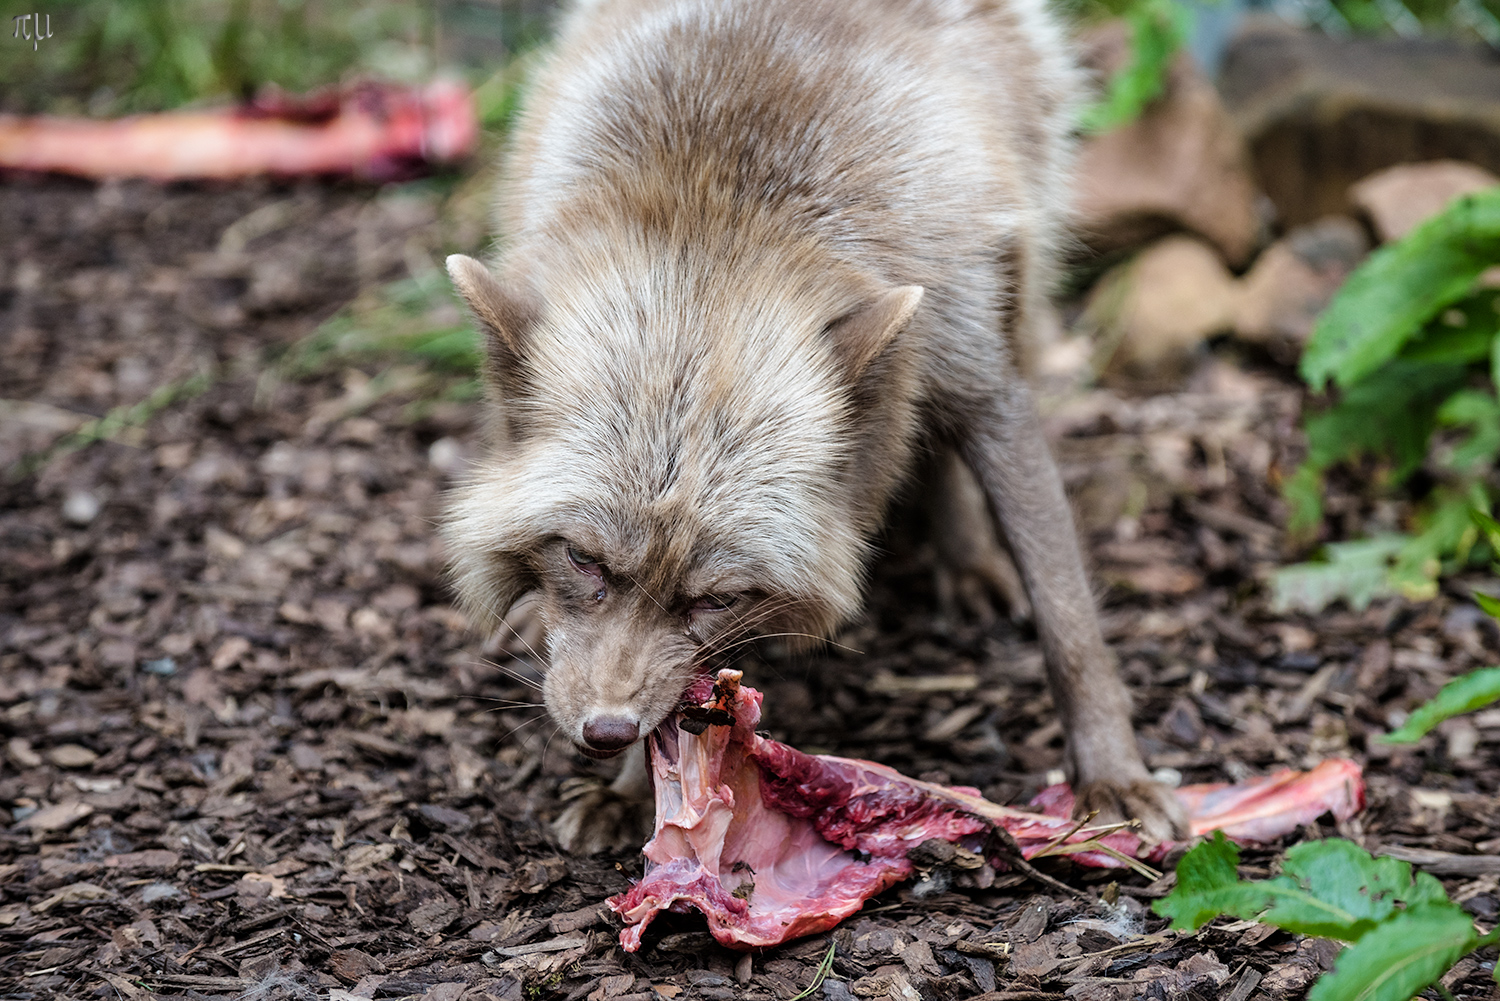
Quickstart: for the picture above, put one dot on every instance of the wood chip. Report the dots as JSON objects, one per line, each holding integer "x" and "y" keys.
{"x": 1443, "y": 863}
{"x": 150, "y": 860}
{"x": 362, "y": 857}
{"x": 551, "y": 945}
{"x": 997, "y": 951}
{"x": 1231, "y": 521}
{"x": 76, "y": 893}
{"x": 1248, "y": 983}
{"x": 885, "y": 683}
{"x": 952, "y": 725}
{"x": 378, "y": 745}
{"x": 56, "y": 818}
{"x": 569, "y": 921}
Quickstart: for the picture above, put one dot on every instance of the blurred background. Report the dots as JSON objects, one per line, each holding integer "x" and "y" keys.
{"x": 109, "y": 58}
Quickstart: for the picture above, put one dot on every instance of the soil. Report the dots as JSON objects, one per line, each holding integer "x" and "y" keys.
{"x": 253, "y": 752}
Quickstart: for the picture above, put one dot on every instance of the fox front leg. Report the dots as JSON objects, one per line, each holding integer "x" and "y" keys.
{"x": 1004, "y": 446}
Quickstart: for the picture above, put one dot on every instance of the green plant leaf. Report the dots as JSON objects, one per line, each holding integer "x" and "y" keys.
{"x": 1406, "y": 932}
{"x": 1357, "y": 572}
{"x": 1479, "y": 410}
{"x": 1400, "y": 957}
{"x": 1489, "y": 526}
{"x": 1157, "y": 30}
{"x": 1463, "y": 694}
{"x": 1462, "y": 334}
{"x": 1447, "y": 530}
{"x": 1336, "y": 889}
{"x": 1401, "y": 286}
{"x": 1303, "y": 491}
{"x": 1490, "y": 606}
{"x": 1391, "y": 413}
{"x": 1495, "y": 368}
{"x": 1208, "y": 885}
{"x": 1331, "y": 888}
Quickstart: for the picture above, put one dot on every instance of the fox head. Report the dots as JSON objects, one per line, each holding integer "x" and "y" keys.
{"x": 685, "y": 452}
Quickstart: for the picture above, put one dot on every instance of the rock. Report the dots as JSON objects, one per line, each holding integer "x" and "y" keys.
{"x": 80, "y": 507}
{"x": 1398, "y": 198}
{"x": 1293, "y": 280}
{"x": 1154, "y": 311}
{"x": 448, "y": 456}
{"x": 1181, "y": 165}
{"x": 1319, "y": 113}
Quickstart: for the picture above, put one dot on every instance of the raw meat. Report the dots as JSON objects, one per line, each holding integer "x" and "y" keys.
{"x": 772, "y": 844}
{"x": 370, "y": 130}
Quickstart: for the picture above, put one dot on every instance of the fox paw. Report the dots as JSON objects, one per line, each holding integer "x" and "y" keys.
{"x": 598, "y": 819}
{"x": 985, "y": 584}
{"x": 1162, "y": 817}
{"x": 974, "y": 568}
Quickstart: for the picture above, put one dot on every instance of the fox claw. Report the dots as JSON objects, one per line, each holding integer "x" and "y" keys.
{"x": 601, "y": 820}
{"x": 1162, "y": 817}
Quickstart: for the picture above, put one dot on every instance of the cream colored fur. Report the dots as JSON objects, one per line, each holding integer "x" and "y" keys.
{"x": 755, "y": 254}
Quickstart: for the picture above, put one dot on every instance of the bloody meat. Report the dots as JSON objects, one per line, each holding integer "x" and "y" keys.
{"x": 772, "y": 844}
{"x": 371, "y": 130}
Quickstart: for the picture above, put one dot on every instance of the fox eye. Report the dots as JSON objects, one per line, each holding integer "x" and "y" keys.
{"x": 715, "y": 602}
{"x": 584, "y": 562}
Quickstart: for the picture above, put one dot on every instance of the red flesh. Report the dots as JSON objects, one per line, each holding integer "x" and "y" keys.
{"x": 371, "y": 130}
{"x": 807, "y": 839}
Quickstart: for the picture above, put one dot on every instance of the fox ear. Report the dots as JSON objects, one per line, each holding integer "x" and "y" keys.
{"x": 860, "y": 336}
{"x": 504, "y": 317}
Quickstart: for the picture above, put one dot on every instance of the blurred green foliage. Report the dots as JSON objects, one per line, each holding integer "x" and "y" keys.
{"x": 414, "y": 318}
{"x": 1472, "y": 19}
{"x": 1158, "y": 28}
{"x": 1412, "y": 345}
{"x": 112, "y": 57}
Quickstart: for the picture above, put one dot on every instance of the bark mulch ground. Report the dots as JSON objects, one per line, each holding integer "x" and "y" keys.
{"x": 251, "y": 751}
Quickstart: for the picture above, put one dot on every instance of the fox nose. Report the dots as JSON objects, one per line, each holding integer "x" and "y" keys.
{"x": 610, "y": 733}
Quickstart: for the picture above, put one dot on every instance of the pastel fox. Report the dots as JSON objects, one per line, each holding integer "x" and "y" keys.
{"x": 759, "y": 257}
